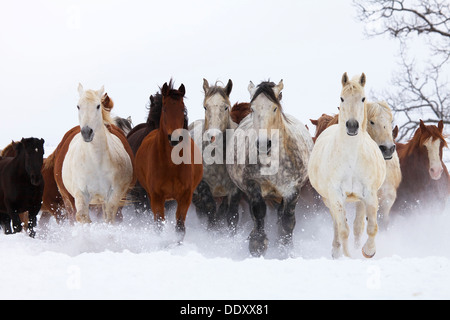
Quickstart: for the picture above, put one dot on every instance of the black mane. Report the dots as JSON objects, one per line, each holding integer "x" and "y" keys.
{"x": 266, "y": 88}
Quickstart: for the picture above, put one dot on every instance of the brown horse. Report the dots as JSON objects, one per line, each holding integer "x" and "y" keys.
{"x": 161, "y": 178}
{"x": 425, "y": 180}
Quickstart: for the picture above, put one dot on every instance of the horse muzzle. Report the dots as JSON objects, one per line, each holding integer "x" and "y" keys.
{"x": 352, "y": 127}
{"x": 87, "y": 133}
{"x": 387, "y": 151}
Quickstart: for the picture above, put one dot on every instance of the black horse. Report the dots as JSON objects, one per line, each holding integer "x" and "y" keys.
{"x": 21, "y": 185}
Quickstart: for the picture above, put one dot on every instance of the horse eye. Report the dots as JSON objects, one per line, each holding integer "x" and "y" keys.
{"x": 226, "y": 108}
{"x": 78, "y": 107}
{"x": 363, "y": 99}
{"x": 342, "y": 100}
{"x": 204, "y": 107}
{"x": 372, "y": 123}
{"x": 275, "y": 109}
{"x": 98, "y": 107}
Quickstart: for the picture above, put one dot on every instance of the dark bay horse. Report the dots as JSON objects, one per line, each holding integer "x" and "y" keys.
{"x": 156, "y": 171}
{"x": 425, "y": 179}
{"x": 21, "y": 184}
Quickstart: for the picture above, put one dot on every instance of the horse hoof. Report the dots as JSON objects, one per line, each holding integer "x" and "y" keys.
{"x": 367, "y": 255}
{"x": 258, "y": 245}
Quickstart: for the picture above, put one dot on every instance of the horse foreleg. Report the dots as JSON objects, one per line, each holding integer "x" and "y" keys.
{"x": 233, "y": 211}
{"x": 358, "y": 224}
{"x": 286, "y": 222}
{"x": 341, "y": 229}
{"x": 182, "y": 208}
{"x": 82, "y": 208}
{"x": 157, "y": 205}
{"x": 371, "y": 203}
{"x": 205, "y": 204}
{"x": 386, "y": 201}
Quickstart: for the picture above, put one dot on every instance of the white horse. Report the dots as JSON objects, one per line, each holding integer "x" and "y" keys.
{"x": 379, "y": 127}
{"x": 346, "y": 165}
{"x": 97, "y": 168}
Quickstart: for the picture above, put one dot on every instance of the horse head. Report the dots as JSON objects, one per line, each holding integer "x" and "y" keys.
{"x": 90, "y": 112}
{"x": 217, "y": 108}
{"x": 379, "y": 127}
{"x": 33, "y": 151}
{"x": 266, "y": 108}
{"x": 173, "y": 115}
{"x": 431, "y": 137}
{"x": 352, "y": 109}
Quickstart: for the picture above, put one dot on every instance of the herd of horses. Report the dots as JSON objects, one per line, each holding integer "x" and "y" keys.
{"x": 104, "y": 164}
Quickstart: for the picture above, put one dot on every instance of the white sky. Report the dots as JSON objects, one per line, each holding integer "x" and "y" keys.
{"x": 133, "y": 47}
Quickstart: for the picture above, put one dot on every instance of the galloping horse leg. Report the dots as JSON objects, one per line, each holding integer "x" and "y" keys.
{"x": 258, "y": 240}
{"x": 233, "y": 211}
{"x": 371, "y": 202}
{"x": 157, "y": 205}
{"x": 5, "y": 222}
{"x": 82, "y": 208}
{"x": 205, "y": 204}
{"x": 358, "y": 224}
{"x": 183, "y": 205}
{"x": 286, "y": 222}
{"x": 32, "y": 220}
{"x": 341, "y": 229}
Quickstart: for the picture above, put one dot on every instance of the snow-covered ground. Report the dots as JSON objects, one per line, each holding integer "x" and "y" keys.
{"x": 132, "y": 261}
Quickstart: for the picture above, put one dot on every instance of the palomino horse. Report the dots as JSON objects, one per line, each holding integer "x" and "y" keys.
{"x": 425, "y": 180}
{"x": 21, "y": 184}
{"x": 94, "y": 165}
{"x": 346, "y": 165}
{"x": 272, "y": 169}
{"x": 156, "y": 171}
{"x": 379, "y": 127}
{"x": 209, "y": 135}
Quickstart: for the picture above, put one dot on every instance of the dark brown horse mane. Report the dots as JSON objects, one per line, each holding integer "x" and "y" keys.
{"x": 240, "y": 111}
{"x": 266, "y": 87}
{"x": 155, "y": 108}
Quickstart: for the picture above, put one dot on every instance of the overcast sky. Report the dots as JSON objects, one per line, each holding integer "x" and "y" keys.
{"x": 133, "y": 47}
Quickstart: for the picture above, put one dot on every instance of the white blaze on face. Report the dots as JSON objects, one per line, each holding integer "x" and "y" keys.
{"x": 434, "y": 158}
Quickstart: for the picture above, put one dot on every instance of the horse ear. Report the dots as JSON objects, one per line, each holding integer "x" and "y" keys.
{"x": 251, "y": 89}
{"x": 165, "y": 89}
{"x": 277, "y": 89}
{"x": 152, "y": 99}
{"x": 395, "y": 133}
{"x": 441, "y": 126}
{"x": 229, "y": 87}
{"x": 100, "y": 92}
{"x": 314, "y": 122}
{"x": 422, "y": 125}
{"x": 80, "y": 89}
{"x": 205, "y": 85}
{"x": 362, "y": 80}
{"x": 344, "y": 79}
{"x": 182, "y": 89}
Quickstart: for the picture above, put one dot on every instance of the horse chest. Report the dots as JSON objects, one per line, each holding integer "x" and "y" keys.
{"x": 216, "y": 176}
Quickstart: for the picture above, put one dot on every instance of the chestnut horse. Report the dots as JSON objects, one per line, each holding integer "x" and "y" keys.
{"x": 156, "y": 171}
{"x": 425, "y": 180}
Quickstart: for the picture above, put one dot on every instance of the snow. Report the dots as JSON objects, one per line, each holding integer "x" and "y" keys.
{"x": 131, "y": 260}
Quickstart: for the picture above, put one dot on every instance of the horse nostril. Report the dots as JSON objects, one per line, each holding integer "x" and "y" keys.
{"x": 352, "y": 127}
{"x": 87, "y": 133}
{"x": 383, "y": 148}
{"x": 213, "y": 138}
